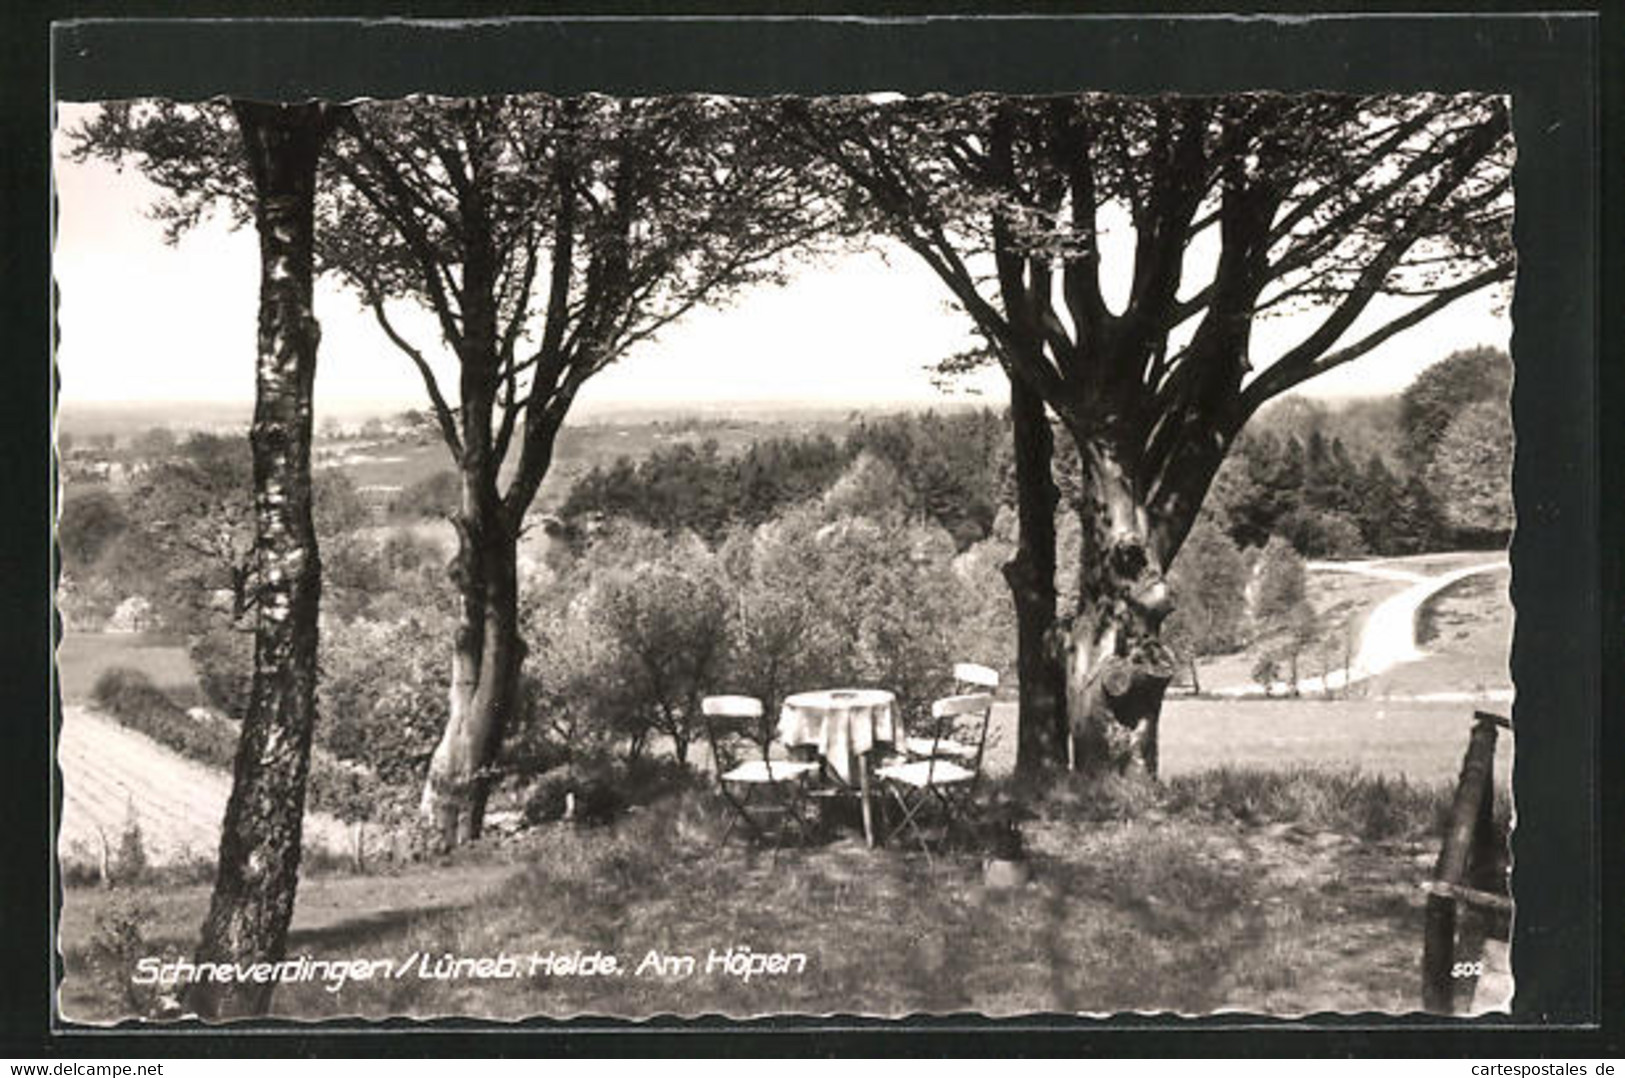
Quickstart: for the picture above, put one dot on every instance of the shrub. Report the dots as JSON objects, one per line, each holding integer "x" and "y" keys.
{"x": 382, "y": 698}
{"x": 629, "y": 656}
{"x": 90, "y": 524}
{"x": 131, "y": 698}
{"x": 547, "y": 798}
{"x": 1266, "y": 672}
{"x": 604, "y": 788}
{"x": 116, "y": 944}
{"x": 224, "y": 661}
{"x": 131, "y": 863}
{"x": 569, "y": 700}
{"x": 1279, "y": 582}
{"x": 597, "y": 784}
{"x": 430, "y": 498}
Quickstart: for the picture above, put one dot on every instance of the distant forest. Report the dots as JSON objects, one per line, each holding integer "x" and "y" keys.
{"x": 1422, "y": 470}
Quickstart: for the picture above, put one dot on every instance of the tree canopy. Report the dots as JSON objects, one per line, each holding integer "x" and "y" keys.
{"x": 1443, "y": 391}
{"x": 1309, "y": 203}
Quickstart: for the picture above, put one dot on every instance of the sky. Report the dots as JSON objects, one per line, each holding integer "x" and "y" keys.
{"x": 145, "y": 322}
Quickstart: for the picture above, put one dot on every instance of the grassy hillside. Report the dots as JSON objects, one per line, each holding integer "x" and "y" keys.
{"x": 1464, "y": 632}
{"x": 1291, "y": 894}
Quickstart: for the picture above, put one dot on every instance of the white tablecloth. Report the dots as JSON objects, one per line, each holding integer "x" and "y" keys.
{"x": 843, "y": 724}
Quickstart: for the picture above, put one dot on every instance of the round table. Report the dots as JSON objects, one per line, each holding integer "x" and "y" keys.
{"x": 844, "y": 725}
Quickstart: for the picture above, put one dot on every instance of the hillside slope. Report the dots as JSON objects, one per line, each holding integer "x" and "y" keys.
{"x": 112, "y": 775}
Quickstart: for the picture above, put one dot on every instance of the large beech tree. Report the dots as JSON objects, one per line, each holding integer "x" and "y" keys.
{"x": 547, "y": 237}
{"x": 1239, "y": 207}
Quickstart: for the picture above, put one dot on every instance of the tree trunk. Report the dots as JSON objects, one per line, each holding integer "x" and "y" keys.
{"x": 1118, "y": 669}
{"x": 1041, "y": 677}
{"x": 258, "y": 867}
{"x": 487, "y": 654}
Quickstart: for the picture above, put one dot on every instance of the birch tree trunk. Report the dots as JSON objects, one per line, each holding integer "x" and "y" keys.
{"x": 258, "y": 867}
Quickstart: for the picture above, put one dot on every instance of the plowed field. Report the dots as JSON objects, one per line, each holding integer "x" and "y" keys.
{"x": 112, "y": 775}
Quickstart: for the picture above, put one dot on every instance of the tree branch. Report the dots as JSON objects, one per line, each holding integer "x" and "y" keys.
{"x": 1261, "y": 391}
{"x": 1467, "y": 152}
{"x": 442, "y": 411}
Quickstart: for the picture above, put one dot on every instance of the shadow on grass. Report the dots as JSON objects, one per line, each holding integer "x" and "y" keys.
{"x": 345, "y": 936}
{"x": 1143, "y": 898}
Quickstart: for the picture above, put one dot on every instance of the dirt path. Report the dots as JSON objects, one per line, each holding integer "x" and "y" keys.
{"x": 1388, "y": 637}
{"x": 112, "y": 775}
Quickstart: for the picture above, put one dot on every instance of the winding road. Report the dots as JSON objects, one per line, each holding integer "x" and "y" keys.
{"x": 1388, "y": 637}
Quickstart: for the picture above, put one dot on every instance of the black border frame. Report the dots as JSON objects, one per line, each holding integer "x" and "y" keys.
{"x": 1566, "y": 577}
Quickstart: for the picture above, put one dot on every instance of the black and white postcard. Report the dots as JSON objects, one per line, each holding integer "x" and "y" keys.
{"x": 556, "y": 550}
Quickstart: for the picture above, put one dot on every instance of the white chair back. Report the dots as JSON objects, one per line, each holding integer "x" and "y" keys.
{"x": 983, "y": 677}
{"x": 732, "y": 707}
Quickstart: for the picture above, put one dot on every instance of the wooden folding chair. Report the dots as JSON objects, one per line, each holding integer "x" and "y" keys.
{"x": 969, "y": 678}
{"x": 940, "y": 782}
{"x": 765, "y": 794}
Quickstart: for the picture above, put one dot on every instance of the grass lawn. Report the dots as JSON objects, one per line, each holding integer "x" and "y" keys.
{"x": 1283, "y": 894}
{"x": 81, "y": 658}
{"x": 1466, "y": 633}
{"x": 1419, "y": 741}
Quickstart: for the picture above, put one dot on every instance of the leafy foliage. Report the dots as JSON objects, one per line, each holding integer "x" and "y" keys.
{"x": 195, "y": 508}
{"x": 1209, "y": 582}
{"x": 1317, "y": 499}
{"x": 434, "y": 497}
{"x": 1320, "y": 203}
{"x": 89, "y": 526}
{"x": 191, "y": 533}
{"x": 381, "y": 699}
{"x": 948, "y": 467}
{"x": 645, "y": 624}
{"x": 223, "y": 658}
{"x": 1280, "y": 582}
{"x": 130, "y": 697}
{"x": 1443, "y": 391}
{"x": 1471, "y": 469}
{"x": 953, "y": 465}
{"x": 665, "y": 620}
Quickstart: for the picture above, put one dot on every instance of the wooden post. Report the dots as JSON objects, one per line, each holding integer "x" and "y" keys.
{"x": 1474, "y": 794}
{"x": 868, "y": 812}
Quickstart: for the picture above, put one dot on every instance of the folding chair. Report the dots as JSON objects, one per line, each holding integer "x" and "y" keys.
{"x": 936, "y": 782}
{"x": 968, "y": 678}
{"x": 759, "y": 789}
